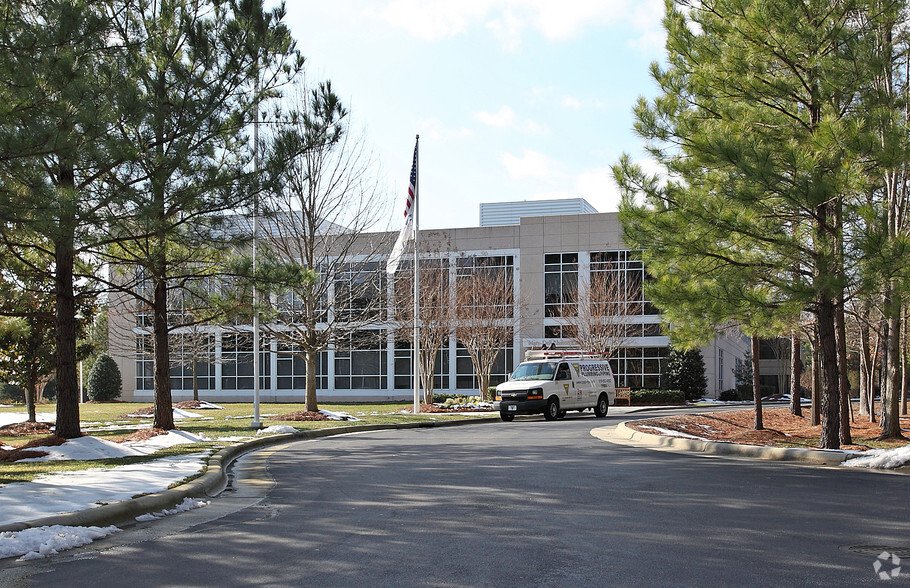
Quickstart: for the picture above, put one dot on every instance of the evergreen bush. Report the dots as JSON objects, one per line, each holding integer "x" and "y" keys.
{"x": 686, "y": 372}
{"x": 104, "y": 381}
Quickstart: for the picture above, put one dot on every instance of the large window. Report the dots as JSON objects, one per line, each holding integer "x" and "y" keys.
{"x": 465, "y": 379}
{"x": 144, "y": 363}
{"x": 359, "y": 291}
{"x": 622, "y": 275}
{"x": 560, "y": 284}
{"x": 485, "y": 282}
{"x": 404, "y": 367}
{"x": 291, "y": 370}
{"x": 192, "y": 353}
{"x": 639, "y": 367}
{"x": 360, "y": 361}
{"x": 237, "y": 360}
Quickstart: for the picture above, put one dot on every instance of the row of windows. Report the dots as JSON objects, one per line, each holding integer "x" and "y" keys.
{"x": 362, "y": 365}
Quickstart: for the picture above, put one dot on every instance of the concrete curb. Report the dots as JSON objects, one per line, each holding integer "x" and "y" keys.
{"x": 212, "y": 481}
{"x": 791, "y": 454}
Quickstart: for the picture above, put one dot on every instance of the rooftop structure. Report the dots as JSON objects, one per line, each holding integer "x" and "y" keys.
{"x": 510, "y": 213}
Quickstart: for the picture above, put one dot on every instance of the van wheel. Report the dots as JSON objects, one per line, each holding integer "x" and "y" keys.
{"x": 507, "y": 416}
{"x": 551, "y": 412}
{"x": 602, "y": 406}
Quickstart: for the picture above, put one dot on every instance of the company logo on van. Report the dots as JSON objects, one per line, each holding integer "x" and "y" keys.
{"x": 594, "y": 370}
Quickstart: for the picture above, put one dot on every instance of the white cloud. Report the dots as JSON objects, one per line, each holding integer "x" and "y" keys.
{"x": 505, "y": 118}
{"x": 433, "y": 128}
{"x": 508, "y": 20}
{"x": 571, "y": 102}
{"x": 531, "y": 164}
{"x": 599, "y": 188}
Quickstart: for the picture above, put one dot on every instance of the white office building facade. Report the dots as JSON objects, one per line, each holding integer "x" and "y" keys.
{"x": 547, "y": 257}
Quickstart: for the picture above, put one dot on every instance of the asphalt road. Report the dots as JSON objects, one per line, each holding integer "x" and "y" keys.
{"x": 528, "y": 503}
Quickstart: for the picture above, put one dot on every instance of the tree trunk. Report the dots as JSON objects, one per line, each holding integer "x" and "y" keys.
{"x": 865, "y": 368}
{"x": 311, "y": 360}
{"x": 756, "y": 383}
{"x": 164, "y": 409}
{"x": 830, "y": 397}
{"x": 891, "y": 428}
{"x": 796, "y": 373}
{"x": 67, "y": 425}
{"x": 195, "y": 380}
{"x": 840, "y": 330}
{"x": 816, "y": 387}
{"x": 31, "y": 394}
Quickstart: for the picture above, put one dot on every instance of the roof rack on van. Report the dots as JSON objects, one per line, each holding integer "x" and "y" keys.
{"x": 552, "y": 352}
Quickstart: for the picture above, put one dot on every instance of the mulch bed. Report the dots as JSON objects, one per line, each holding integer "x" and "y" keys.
{"x": 141, "y": 435}
{"x": 27, "y": 450}
{"x": 780, "y": 428}
{"x": 433, "y": 408}
{"x": 301, "y": 415}
{"x": 25, "y": 429}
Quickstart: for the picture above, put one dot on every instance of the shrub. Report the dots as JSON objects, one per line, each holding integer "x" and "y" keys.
{"x": 686, "y": 371}
{"x": 104, "y": 381}
{"x": 658, "y": 397}
{"x": 731, "y": 395}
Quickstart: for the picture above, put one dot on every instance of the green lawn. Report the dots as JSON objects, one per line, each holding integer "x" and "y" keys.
{"x": 108, "y": 421}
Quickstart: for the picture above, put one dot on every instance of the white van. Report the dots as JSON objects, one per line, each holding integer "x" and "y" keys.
{"x": 554, "y": 382}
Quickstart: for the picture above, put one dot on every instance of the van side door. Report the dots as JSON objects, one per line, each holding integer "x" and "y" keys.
{"x": 566, "y": 386}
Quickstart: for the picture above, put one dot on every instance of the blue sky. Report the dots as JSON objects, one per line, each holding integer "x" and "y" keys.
{"x": 513, "y": 99}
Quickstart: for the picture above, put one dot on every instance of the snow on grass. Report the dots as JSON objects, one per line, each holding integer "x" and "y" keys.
{"x": 44, "y": 541}
{"x": 64, "y": 492}
{"x": 10, "y": 418}
{"x": 89, "y": 448}
{"x": 671, "y": 433}
{"x": 187, "y": 505}
{"x": 339, "y": 416}
{"x": 275, "y": 429}
{"x": 881, "y": 458}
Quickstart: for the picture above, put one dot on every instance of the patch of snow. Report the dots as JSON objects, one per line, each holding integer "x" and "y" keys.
{"x": 339, "y": 416}
{"x": 173, "y": 437}
{"x": 670, "y": 433}
{"x": 178, "y": 414}
{"x": 881, "y": 458}
{"x": 234, "y": 438}
{"x": 44, "y": 541}
{"x": 9, "y": 418}
{"x": 186, "y": 505}
{"x": 276, "y": 429}
{"x": 65, "y": 492}
{"x": 86, "y": 448}
{"x": 203, "y": 405}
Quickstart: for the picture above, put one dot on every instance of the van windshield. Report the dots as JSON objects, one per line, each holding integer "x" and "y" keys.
{"x": 534, "y": 371}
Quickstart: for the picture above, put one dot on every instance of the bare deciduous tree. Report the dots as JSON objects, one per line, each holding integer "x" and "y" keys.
{"x": 330, "y": 199}
{"x": 484, "y": 301}
{"x": 436, "y": 311}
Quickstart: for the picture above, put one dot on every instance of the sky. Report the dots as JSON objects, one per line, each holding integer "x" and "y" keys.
{"x": 512, "y": 99}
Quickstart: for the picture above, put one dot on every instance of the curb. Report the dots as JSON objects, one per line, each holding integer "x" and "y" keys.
{"x": 212, "y": 481}
{"x": 791, "y": 454}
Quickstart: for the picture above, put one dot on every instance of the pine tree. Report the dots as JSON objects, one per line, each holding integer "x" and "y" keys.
{"x": 104, "y": 380}
{"x": 686, "y": 371}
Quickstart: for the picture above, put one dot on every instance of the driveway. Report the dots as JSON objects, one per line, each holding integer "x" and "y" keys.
{"x": 528, "y": 503}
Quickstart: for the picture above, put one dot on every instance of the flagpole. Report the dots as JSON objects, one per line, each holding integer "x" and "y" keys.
{"x": 416, "y": 281}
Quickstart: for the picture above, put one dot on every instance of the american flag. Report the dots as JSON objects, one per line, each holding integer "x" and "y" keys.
{"x": 407, "y": 231}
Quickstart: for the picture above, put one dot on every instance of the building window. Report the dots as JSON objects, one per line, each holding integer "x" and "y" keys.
{"x": 639, "y": 367}
{"x": 465, "y": 379}
{"x": 623, "y": 275}
{"x": 144, "y": 363}
{"x": 485, "y": 276}
{"x": 291, "y": 368}
{"x": 237, "y": 361}
{"x": 360, "y": 361}
{"x": 560, "y": 331}
{"x": 192, "y": 353}
{"x": 560, "y": 284}
{"x": 404, "y": 367}
{"x": 359, "y": 291}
